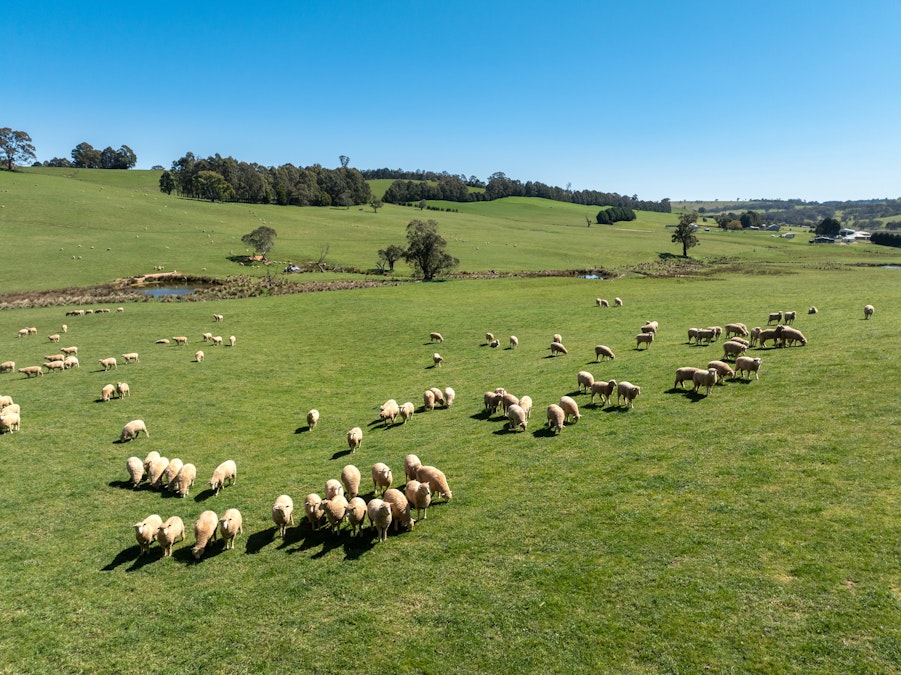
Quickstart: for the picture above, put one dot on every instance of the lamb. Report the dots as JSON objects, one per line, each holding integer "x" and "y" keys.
{"x": 283, "y": 514}
{"x": 868, "y": 311}
{"x": 789, "y": 317}
{"x": 428, "y": 400}
{"x": 135, "y": 468}
{"x": 156, "y": 470}
{"x": 23, "y": 332}
{"x": 570, "y": 409}
{"x": 436, "y": 337}
{"x": 683, "y": 374}
{"x": 600, "y": 302}
{"x": 650, "y": 327}
{"x": 8, "y": 367}
{"x": 604, "y": 390}
{"x": 381, "y": 477}
{"x": 10, "y": 422}
{"x": 557, "y": 348}
{"x": 311, "y": 508}
{"x": 184, "y": 480}
{"x": 755, "y": 335}
{"x": 555, "y": 417}
{"x": 71, "y": 362}
{"x": 439, "y": 396}
{"x": 54, "y": 357}
{"x": 180, "y": 340}
{"x": 449, "y": 396}
{"x": 333, "y": 488}
{"x": 617, "y": 302}
{"x": 812, "y": 310}
{"x": 131, "y": 356}
{"x": 119, "y": 310}
{"x": 419, "y": 495}
{"x": 216, "y": 340}
{"x": 602, "y": 352}
{"x": 411, "y": 465}
{"x": 489, "y": 338}
{"x": 227, "y": 471}
{"x": 406, "y": 411}
{"x": 106, "y": 392}
{"x": 206, "y": 337}
{"x": 790, "y": 335}
{"x": 584, "y": 379}
{"x": 312, "y": 418}
{"x": 231, "y": 524}
{"x": 436, "y": 481}
{"x": 54, "y": 337}
{"x": 58, "y": 366}
{"x": 204, "y": 532}
{"x": 122, "y": 389}
{"x": 514, "y": 342}
{"x": 199, "y": 356}
{"x": 628, "y": 392}
{"x": 335, "y": 510}
{"x": 171, "y": 531}
{"x": 109, "y": 363}
{"x": 350, "y": 476}
{"x": 69, "y": 351}
{"x": 132, "y": 430}
{"x": 492, "y": 401}
{"x": 379, "y": 514}
{"x": 705, "y": 378}
{"x": 354, "y": 438}
{"x": 494, "y": 344}
{"x": 400, "y": 509}
{"x": 723, "y": 369}
{"x": 733, "y": 349}
{"x": 526, "y": 404}
{"x": 145, "y": 531}
{"x": 643, "y": 339}
{"x": 705, "y": 334}
{"x": 767, "y": 334}
{"x": 517, "y": 417}
{"x": 355, "y": 514}
{"x": 736, "y": 329}
{"x": 746, "y": 364}
{"x": 774, "y": 317}
{"x": 389, "y": 411}
{"x": 32, "y": 371}
{"x": 232, "y": 340}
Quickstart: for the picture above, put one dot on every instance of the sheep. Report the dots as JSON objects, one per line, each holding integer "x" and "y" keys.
{"x": 600, "y": 302}
{"x": 216, "y": 340}
{"x": 355, "y": 514}
{"x": 123, "y": 390}
{"x": 180, "y": 340}
{"x": 175, "y": 465}
{"x": 736, "y": 329}
{"x": 494, "y": 344}
{"x": 232, "y": 340}
{"x": 333, "y": 488}
{"x": 54, "y": 357}
{"x": 557, "y": 338}
{"x": 217, "y": 318}
{"x": 109, "y": 363}
{"x": 789, "y": 317}
{"x": 617, "y": 302}
{"x": 119, "y": 310}
{"x": 204, "y": 532}
{"x": 584, "y": 379}
{"x": 389, "y": 411}
{"x": 135, "y": 468}
{"x": 740, "y": 341}
{"x": 106, "y": 392}
{"x": 156, "y": 470}
{"x": 428, "y": 400}
{"x": 381, "y": 477}
{"x": 54, "y": 337}
{"x": 71, "y": 362}
{"x": 10, "y": 409}
{"x": 683, "y": 374}
{"x": 69, "y": 351}
{"x": 335, "y": 510}
{"x": 132, "y": 430}
{"x": 570, "y": 409}
{"x": 311, "y": 508}
{"x": 152, "y": 455}
{"x": 755, "y": 335}
{"x": 10, "y": 422}
{"x": 868, "y": 311}
{"x": 379, "y": 514}
{"x": 812, "y": 310}
{"x": 733, "y": 349}
{"x": 627, "y": 391}
{"x": 171, "y": 531}
{"x": 790, "y": 335}
{"x": 722, "y": 369}
{"x": 354, "y": 438}
{"x": 514, "y": 342}
{"x": 184, "y": 480}
{"x": 650, "y": 327}
{"x": 58, "y": 366}
{"x": 557, "y": 348}
{"x": 602, "y": 352}
{"x": 774, "y": 317}
{"x": 23, "y": 332}
{"x": 227, "y": 471}
{"x": 439, "y": 396}
{"x": 717, "y": 331}
{"x": 436, "y": 481}
{"x": 492, "y": 401}
{"x": 508, "y": 399}
{"x": 643, "y": 339}
{"x": 350, "y": 476}
{"x": 436, "y": 337}
{"x": 419, "y": 495}
{"x": 131, "y": 356}
{"x": 411, "y": 464}
{"x": 766, "y": 334}
{"x": 5, "y": 401}
{"x": 8, "y": 367}
{"x": 489, "y": 338}
{"x": 145, "y": 531}
{"x": 206, "y": 337}
{"x": 526, "y": 404}
{"x": 400, "y": 509}
{"x": 693, "y": 335}
{"x": 312, "y": 418}
{"x": 32, "y": 371}
{"x": 449, "y": 396}
{"x": 604, "y": 390}
{"x": 283, "y": 514}
{"x": 517, "y": 417}
{"x": 231, "y": 524}
{"x": 555, "y": 417}
{"x": 163, "y": 341}
{"x": 706, "y": 378}
{"x": 705, "y": 334}
{"x": 406, "y": 411}
{"x": 746, "y": 364}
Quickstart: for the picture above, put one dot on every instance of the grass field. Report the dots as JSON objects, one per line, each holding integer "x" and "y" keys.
{"x": 754, "y": 530}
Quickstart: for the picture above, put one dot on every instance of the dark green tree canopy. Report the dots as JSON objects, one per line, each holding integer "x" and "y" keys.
{"x": 15, "y": 147}
{"x": 391, "y": 255}
{"x": 750, "y": 219}
{"x": 685, "y": 232}
{"x": 261, "y": 240}
{"x": 211, "y": 185}
{"x": 829, "y": 227}
{"x": 426, "y": 250}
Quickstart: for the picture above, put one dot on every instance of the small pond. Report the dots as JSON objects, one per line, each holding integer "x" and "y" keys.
{"x": 160, "y": 291}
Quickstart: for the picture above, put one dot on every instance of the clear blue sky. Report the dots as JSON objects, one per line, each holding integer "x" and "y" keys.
{"x": 703, "y": 100}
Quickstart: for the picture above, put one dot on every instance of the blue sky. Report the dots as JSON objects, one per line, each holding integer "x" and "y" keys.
{"x": 703, "y": 100}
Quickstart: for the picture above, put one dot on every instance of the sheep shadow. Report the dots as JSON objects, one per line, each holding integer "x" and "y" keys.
{"x": 695, "y": 396}
{"x": 483, "y": 415}
{"x": 206, "y": 494}
{"x": 257, "y": 541}
{"x": 213, "y": 549}
{"x": 143, "y": 559}
{"x": 434, "y": 365}
{"x": 122, "y": 557}
{"x": 505, "y": 431}
{"x": 357, "y": 545}
{"x": 122, "y": 485}
{"x": 541, "y": 432}
{"x": 617, "y": 409}
{"x": 329, "y": 543}
{"x": 303, "y": 430}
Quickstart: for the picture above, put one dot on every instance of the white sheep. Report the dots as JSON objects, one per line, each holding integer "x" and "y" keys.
{"x": 335, "y": 510}
{"x": 199, "y": 356}
{"x": 8, "y": 367}
{"x": 683, "y": 374}
{"x": 69, "y": 351}
{"x": 555, "y": 417}
{"x": 419, "y": 495}
{"x": 53, "y": 338}
{"x": 436, "y": 337}
{"x": 650, "y": 327}
{"x": 109, "y": 363}
{"x": 428, "y": 400}
{"x": 437, "y": 359}
{"x": 746, "y": 364}
{"x": 23, "y": 332}
{"x": 514, "y": 342}
{"x": 740, "y": 341}
{"x": 381, "y": 478}
{"x": 312, "y": 418}
{"x": 156, "y": 471}
{"x": 379, "y": 514}
{"x": 145, "y": 531}
{"x": 449, "y": 396}
{"x": 736, "y": 329}
{"x": 733, "y": 349}
{"x": 119, "y": 310}
{"x": 311, "y": 508}
{"x": 723, "y": 369}
{"x": 786, "y": 334}
{"x": 492, "y": 401}
{"x": 354, "y": 438}
{"x": 232, "y": 340}
{"x": 755, "y": 335}
{"x": 400, "y": 509}
{"x": 184, "y": 480}
{"x": 706, "y": 379}
{"x": 132, "y": 430}
{"x": 152, "y": 455}
{"x": 436, "y": 481}
{"x": 557, "y": 348}
{"x": 64, "y": 329}
{"x": 175, "y": 465}
{"x": 389, "y": 411}
{"x": 789, "y": 317}
{"x": 584, "y": 380}
{"x": 283, "y": 514}
{"x": 206, "y": 337}
{"x": 216, "y": 340}
{"x": 123, "y": 390}
{"x": 570, "y": 409}
{"x": 350, "y": 477}
{"x": 58, "y": 366}
{"x": 107, "y": 392}
{"x": 406, "y": 411}
{"x": 131, "y": 357}
{"x": 231, "y": 524}
{"x": 227, "y": 471}
{"x": 628, "y": 392}
{"x": 774, "y": 317}
{"x": 438, "y": 394}
{"x": 163, "y": 341}
{"x": 489, "y": 338}
{"x": 705, "y": 334}
{"x": 526, "y": 404}
{"x": 601, "y": 302}
{"x": 604, "y": 390}
{"x": 204, "y": 532}
{"x": 517, "y": 417}
{"x": 171, "y": 531}
{"x": 32, "y": 371}
{"x": 765, "y": 335}
{"x": 557, "y": 338}
{"x": 868, "y": 311}
{"x": 10, "y": 422}
{"x": 6, "y": 401}
{"x": 411, "y": 465}
{"x": 355, "y": 514}
{"x": 71, "y": 362}
{"x": 602, "y": 352}
{"x": 180, "y": 340}
{"x": 617, "y": 302}
{"x": 135, "y": 468}
{"x": 508, "y": 399}
{"x": 643, "y": 339}
{"x": 217, "y": 318}
{"x": 333, "y": 488}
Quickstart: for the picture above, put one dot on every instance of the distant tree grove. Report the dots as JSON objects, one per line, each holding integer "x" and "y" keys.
{"x": 886, "y": 239}
{"x": 85, "y": 156}
{"x": 615, "y": 214}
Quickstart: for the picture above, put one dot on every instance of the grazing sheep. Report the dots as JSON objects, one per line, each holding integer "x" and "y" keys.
{"x": 411, "y": 465}
{"x": 333, "y": 488}
{"x": 156, "y": 471}
{"x": 790, "y": 335}
{"x": 812, "y": 310}
{"x": 311, "y": 508}
{"x": 145, "y": 531}
{"x": 227, "y": 471}
{"x": 312, "y": 418}
{"x": 494, "y": 344}
{"x": 54, "y": 357}
{"x": 650, "y": 327}
{"x": 557, "y": 348}
{"x": 717, "y": 331}
{"x": 736, "y": 329}
{"x": 123, "y": 390}
{"x": 206, "y": 337}
{"x": 350, "y": 476}
{"x": 740, "y": 341}
{"x": 180, "y": 340}
{"x": 216, "y": 340}
{"x": 683, "y": 374}
{"x": 217, "y": 318}
{"x": 570, "y": 409}
{"x": 58, "y": 366}
{"x": 175, "y": 465}
{"x": 354, "y": 438}
{"x": 232, "y": 340}
{"x": 436, "y": 337}
{"x": 283, "y": 514}
{"x": 204, "y": 532}
{"x": 449, "y": 396}
{"x": 231, "y": 524}
{"x": 400, "y": 509}
{"x": 693, "y": 335}
{"x": 489, "y": 338}
{"x": 617, "y": 302}
{"x": 508, "y": 399}
{"x": 584, "y": 379}
{"x": 517, "y": 417}
{"x": 419, "y": 495}
{"x": 23, "y": 332}
{"x": 5, "y": 402}
{"x": 733, "y": 349}
{"x": 555, "y": 417}
{"x": 746, "y": 364}
{"x": 514, "y": 342}
{"x": 379, "y": 514}
{"x": 604, "y": 390}
{"x": 152, "y": 455}
{"x": 602, "y": 352}
{"x": 107, "y": 392}
{"x": 109, "y": 363}
{"x": 406, "y": 411}
{"x": 789, "y": 317}
{"x": 131, "y": 356}
{"x": 335, "y": 510}
{"x": 119, "y": 310}
{"x": 628, "y": 392}
{"x": 428, "y": 400}
{"x": 722, "y": 369}
{"x": 644, "y": 339}
{"x": 381, "y": 477}
{"x": 132, "y": 430}
{"x": 492, "y": 401}
{"x": 54, "y": 337}
{"x": 526, "y": 404}
{"x": 135, "y": 468}
{"x": 436, "y": 481}
{"x": 868, "y": 311}
{"x": 184, "y": 480}
{"x": 705, "y": 378}
{"x": 389, "y": 411}
{"x": 199, "y": 356}
{"x": 705, "y": 334}
{"x": 439, "y": 396}
{"x": 71, "y": 362}
{"x": 765, "y": 335}
{"x": 171, "y": 531}
{"x": 355, "y": 514}
{"x": 8, "y": 367}
{"x": 774, "y": 317}
{"x": 755, "y": 335}
{"x": 10, "y": 422}
{"x": 32, "y": 371}
{"x": 600, "y": 302}
{"x": 69, "y": 351}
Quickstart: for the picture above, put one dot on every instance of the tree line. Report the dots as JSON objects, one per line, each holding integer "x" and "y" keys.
{"x": 86, "y": 156}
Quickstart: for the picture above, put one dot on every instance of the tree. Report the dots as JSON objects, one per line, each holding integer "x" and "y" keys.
{"x": 84, "y": 156}
{"x": 345, "y": 160}
{"x": 750, "y": 219}
{"x": 167, "y": 183}
{"x": 685, "y": 232}
{"x": 391, "y": 255}
{"x": 426, "y": 250}
{"x": 422, "y": 204}
{"x": 126, "y": 158}
{"x": 211, "y": 185}
{"x": 261, "y": 240}
{"x": 829, "y": 227}
{"x": 15, "y": 147}
{"x": 376, "y": 204}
